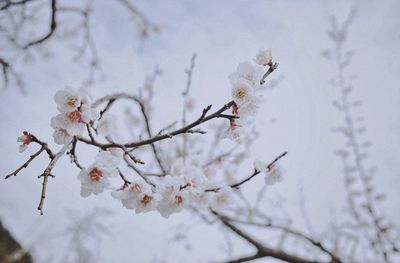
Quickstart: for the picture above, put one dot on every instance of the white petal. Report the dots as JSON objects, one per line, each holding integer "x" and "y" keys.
{"x": 85, "y": 192}
{"x": 23, "y": 147}
{"x": 260, "y": 166}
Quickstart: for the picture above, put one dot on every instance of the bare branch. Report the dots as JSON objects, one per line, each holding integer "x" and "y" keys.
{"x": 142, "y": 21}
{"x": 53, "y": 26}
{"x": 33, "y": 156}
{"x": 8, "y": 3}
{"x": 269, "y": 71}
{"x": 262, "y": 249}
{"x": 47, "y": 173}
{"x": 72, "y": 153}
{"x": 202, "y": 119}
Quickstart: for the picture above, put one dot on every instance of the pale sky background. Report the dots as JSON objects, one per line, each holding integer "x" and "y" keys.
{"x": 222, "y": 33}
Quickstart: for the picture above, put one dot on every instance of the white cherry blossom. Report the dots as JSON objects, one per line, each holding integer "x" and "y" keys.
{"x": 174, "y": 199}
{"x": 68, "y": 100}
{"x": 89, "y": 113}
{"x": 95, "y": 179}
{"x": 131, "y": 194}
{"x": 235, "y": 131}
{"x": 173, "y": 203}
{"x": 273, "y": 173}
{"x": 191, "y": 172}
{"x": 60, "y": 134}
{"x": 248, "y": 111}
{"x": 72, "y": 122}
{"x": 26, "y": 139}
{"x": 147, "y": 201}
{"x": 264, "y": 57}
{"x": 242, "y": 93}
{"x": 246, "y": 71}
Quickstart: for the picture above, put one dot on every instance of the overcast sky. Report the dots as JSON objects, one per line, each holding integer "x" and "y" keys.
{"x": 222, "y": 33}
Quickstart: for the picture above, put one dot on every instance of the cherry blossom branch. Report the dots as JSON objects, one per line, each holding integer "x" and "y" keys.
{"x": 47, "y": 172}
{"x": 44, "y": 147}
{"x": 77, "y": 114}
{"x": 202, "y": 119}
{"x": 256, "y": 172}
{"x": 269, "y": 71}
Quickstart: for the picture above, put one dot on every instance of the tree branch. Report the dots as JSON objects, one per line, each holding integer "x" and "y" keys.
{"x": 262, "y": 249}
{"x": 44, "y": 147}
{"x": 47, "y": 173}
{"x": 53, "y": 26}
{"x": 202, "y": 119}
{"x": 236, "y": 185}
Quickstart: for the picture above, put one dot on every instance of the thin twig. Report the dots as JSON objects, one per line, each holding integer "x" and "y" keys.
{"x": 269, "y": 71}
{"x": 138, "y": 172}
{"x": 53, "y": 26}
{"x": 72, "y": 153}
{"x": 256, "y": 172}
{"x": 47, "y": 173}
{"x": 202, "y": 119}
{"x": 44, "y": 147}
{"x": 123, "y": 177}
{"x": 33, "y": 156}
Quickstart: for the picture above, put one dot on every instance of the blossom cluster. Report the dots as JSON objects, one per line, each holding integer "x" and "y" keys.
{"x": 188, "y": 182}
{"x": 183, "y": 187}
{"x": 246, "y": 87}
{"x": 95, "y": 179}
{"x": 75, "y": 112}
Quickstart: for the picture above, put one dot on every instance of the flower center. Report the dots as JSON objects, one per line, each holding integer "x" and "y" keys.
{"x": 71, "y": 102}
{"x": 248, "y": 76}
{"x": 178, "y": 199}
{"x": 75, "y": 116}
{"x": 95, "y": 174}
{"x": 136, "y": 188}
{"x": 26, "y": 138}
{"x": 64, "y": 131}
{"x": 146, "y": 199}
{"x": 241, "y": 93}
